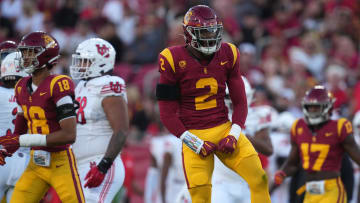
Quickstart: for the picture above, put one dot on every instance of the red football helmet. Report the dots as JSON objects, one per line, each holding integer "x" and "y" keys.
{"x": 317, "y": 105}
{"x": 203, "y": 29}
{"x": 39, "y": 50}
{"x": 6, "y": 47}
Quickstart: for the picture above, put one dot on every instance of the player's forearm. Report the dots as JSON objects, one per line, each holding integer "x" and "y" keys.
{"x": 115, "y": 145}
{"x": 261, "y": 146}
{"x": 169, "y": 117}
{"x": 61, "y": 137}
{"x": 238, "y": 99}
{"x": 20, "y": 124}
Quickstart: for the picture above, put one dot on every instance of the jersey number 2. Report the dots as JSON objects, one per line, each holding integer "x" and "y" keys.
{"x": 200, "y": 103}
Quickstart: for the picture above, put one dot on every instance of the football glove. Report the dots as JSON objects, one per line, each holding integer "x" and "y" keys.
{"x": 10, "y": 142}
{"x": 227, "y": 144}
{"x": 204, "y": 148}
{"x": 279, "y": 177}
{"x": 3, "y": 155}
{"x": 97, "y": 173}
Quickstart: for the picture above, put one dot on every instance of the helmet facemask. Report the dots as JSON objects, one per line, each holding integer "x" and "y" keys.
{"x": 316, "y": 113}
{"x": 205, "y": 39}
{"x": 29, "y": 58}
{"x": 82, "y": 66}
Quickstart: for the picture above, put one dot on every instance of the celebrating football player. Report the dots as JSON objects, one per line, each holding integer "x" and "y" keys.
{"x": 226, "y": 183}
{"x": 191, "y": 95}
{"x": 10, "y": 74}
{"x": 45, "y": 122}
{"x": 102, "y": 120}
{"x": 319, "y": 143}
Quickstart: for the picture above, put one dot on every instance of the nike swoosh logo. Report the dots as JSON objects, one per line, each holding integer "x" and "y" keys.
{"x": 223, "y": 63}
{"x": 57, "y": 166}
{"x": 42, "y": 93}
{"x": 328, "y": 134}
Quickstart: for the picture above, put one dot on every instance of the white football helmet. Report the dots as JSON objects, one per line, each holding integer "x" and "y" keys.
{"x": 10, "y": 67}
{"x": 92, "y": 58}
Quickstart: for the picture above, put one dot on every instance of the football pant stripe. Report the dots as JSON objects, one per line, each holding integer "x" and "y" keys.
{"x": 340, "y": 190}
{"x": 107, "y": 185}
{"x": 75, "y": 176}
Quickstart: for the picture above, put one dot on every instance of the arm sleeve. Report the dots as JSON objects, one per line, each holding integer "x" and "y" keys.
{"x": 169, "y": 109}
{"x": 238, "y": 97}
{"x": 20, "y": 125}
{"x": 168, "y": 115}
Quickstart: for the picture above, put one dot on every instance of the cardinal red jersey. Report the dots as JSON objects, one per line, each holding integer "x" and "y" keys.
{"x": 202, "y": 87}
{"x": 321, "y": 150}
{"x": 39, "y": 107}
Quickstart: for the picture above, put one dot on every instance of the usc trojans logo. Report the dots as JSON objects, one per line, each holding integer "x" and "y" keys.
{"x": 49, "y": 41}
{"x": 187, "y": 17}
{"x": 103, "y": 50}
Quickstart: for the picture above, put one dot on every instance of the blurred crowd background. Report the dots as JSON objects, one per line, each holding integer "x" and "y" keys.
{"x": 286, "y": 47}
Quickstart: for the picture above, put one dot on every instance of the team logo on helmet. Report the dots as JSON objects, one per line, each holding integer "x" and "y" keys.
{"x": 49, "y": 41}
{"x": 187, "y": 17}
{"x": 103, "y": 50}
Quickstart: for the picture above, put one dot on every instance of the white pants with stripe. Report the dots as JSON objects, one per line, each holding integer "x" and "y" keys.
{"x": 111, "y": 184}
{"x": 12, "y": 170}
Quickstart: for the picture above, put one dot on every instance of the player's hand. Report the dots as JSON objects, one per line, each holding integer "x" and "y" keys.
{"x": 10, "y": 142}
{"x": 279, "y": 177}
{"x": 207, "y": 148}
{"x": 94, "y": 177}
{"x": 204, "y": 148}
{"x": 227, "y": 144}
{"x": 3, "y": 155}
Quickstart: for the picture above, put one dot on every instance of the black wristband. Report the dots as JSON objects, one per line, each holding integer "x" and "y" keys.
{"x": 104, "y": 165}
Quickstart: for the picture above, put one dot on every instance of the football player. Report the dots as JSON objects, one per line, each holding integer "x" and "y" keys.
{"x": 46, "y": 122}
{"x": 6, "y": 47}
{"x": 191, "y": 95}
{"x": 319, "y": 143}
{"x": 356, "y": 124}
{"x": 226, "y": 183}
{"x": 102, "y": 120}
{"x": 15, "y": 166}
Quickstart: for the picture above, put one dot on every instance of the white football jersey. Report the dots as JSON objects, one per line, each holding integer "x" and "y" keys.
{"x": 93, "y": 128}
{"x": 8, "y": 110}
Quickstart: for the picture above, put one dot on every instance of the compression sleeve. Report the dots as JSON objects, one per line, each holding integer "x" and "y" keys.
{"x": 20, "y": 125}
{"x": 168, "y": 113}
{"x": 238, "y": 98}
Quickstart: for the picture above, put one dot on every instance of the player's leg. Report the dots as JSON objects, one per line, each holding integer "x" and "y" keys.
{"x": 30, "y": 187}
{"x": 245, "y": 162}
{"x": 198, "y": 171}
{"x": 65, "y": 178}
{"x": 334, "y": 192}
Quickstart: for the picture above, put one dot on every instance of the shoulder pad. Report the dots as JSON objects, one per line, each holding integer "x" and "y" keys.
{"x": 166, "y": 53}
{"x": 234, "y": 52}
{"x": 344, "y": 122}
{"x": 57, "y": 78}
{"x": 293, "y": 127}
{"x": 107, "y": 84}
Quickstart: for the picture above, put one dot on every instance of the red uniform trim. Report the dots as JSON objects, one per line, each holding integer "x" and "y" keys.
{"x": 183, "y": 163}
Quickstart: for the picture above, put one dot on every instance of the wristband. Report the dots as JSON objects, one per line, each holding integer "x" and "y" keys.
{"x": 32, "y": 140}
{"x": 235, "y": 131}
{"x": 104, "y": 165}
{"x": 192, "y": 141}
